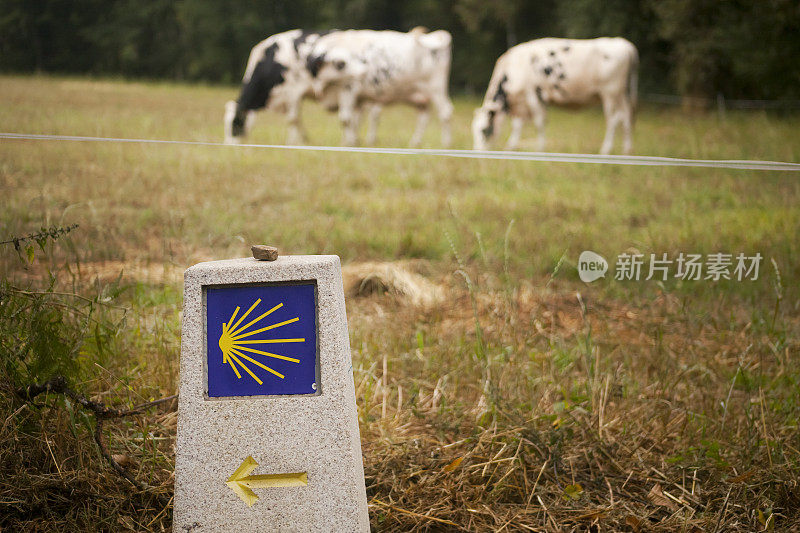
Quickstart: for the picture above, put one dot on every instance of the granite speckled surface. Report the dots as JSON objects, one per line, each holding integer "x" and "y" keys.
{"x": 295, "y": 433}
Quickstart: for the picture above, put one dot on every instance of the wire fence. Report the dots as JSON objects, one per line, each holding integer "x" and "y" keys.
{"x": 638, "y": 160}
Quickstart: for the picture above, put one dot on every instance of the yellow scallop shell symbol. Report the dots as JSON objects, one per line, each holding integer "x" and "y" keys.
{"x": 233, "y": 346}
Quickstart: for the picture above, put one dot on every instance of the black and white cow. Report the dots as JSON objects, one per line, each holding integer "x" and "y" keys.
{"x": 568, "y": 72}
{"x": 370, "y": 69}
{"x": 276, "y": 78}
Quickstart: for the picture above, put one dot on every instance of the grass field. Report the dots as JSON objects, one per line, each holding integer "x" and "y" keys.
{"x": 496, "y": 391}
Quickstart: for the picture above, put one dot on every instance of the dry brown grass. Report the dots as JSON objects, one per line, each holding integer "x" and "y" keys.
{"x": 54, "y": 478}
{"x": 539, "y": 411}
{"x": 637, "y": 442}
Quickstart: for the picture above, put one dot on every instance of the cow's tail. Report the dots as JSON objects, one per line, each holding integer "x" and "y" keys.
{"x": 633, "y": 81}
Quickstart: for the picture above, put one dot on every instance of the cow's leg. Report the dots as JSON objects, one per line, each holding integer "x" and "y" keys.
{"x": 539, "y": 120}
{"x": 539, "y": 113}
{"x": 627, "y": 127}
{"x": 516, "y": 132}
{"x": 297, "y": 134}
{"x": 613, "y": 113}
{"x": 444, "y": 107}
{"x": 423, "y": 117}
{"x": 350, "y": 126}
{"x": 372, "y": 125}
{"x": 349, "y": 116}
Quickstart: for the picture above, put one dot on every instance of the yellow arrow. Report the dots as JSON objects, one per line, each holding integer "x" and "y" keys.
{"x": 241, "y": 483}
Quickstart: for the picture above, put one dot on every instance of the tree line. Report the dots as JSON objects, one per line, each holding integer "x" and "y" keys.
{"x": 694, "y": 48}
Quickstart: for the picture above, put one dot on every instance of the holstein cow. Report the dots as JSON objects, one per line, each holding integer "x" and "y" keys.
{"x": 374, "y": 68}
{"x": 562, "y": 72}
{"x": 276, "y": 78}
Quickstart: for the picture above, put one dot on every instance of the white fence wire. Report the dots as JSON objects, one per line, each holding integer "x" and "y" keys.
{"x": 637, "y": 160}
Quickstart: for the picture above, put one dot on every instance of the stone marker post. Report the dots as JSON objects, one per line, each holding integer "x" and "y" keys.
{"x": 267, "y": 425}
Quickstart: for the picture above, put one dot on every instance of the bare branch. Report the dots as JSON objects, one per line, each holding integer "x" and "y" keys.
{"x": 58, "y": 384}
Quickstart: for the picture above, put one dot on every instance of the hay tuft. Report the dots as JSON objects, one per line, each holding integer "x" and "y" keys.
{"x": 397, "y": 279}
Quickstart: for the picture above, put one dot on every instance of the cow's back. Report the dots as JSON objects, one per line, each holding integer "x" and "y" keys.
{"x": 276, "y": 74}
{"x": 399, "y": 66}
{"x": 566, "y": 71}
{"x": 280, "y": 42}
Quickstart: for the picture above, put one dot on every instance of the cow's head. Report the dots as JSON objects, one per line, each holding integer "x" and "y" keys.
{"x": 336, "y": 66}
{"x": 238, "y": 122}
{"x": 486, "y": 120}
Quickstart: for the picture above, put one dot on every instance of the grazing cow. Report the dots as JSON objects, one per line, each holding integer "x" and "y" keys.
{"x": 562, "y": 72}
{"x": 276, "y": 78}
{"x": 374, "y": 68}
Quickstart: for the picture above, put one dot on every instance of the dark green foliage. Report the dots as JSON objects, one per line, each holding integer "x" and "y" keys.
{"x": 138, "y": 39}
{"x": 38, "y": 338}
{"x": 50, "y": 35}
{"x": 742, "y": 49}
{"x": 635, "y": 20}
{"x": 739, "y": 48}
{"x": 43, "y": 330}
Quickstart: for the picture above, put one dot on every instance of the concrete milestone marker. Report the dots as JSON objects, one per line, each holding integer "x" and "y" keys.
{"x": 267, "y": 425}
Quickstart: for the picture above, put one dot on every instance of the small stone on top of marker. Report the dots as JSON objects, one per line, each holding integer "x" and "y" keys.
{"x": 264, "y": 253}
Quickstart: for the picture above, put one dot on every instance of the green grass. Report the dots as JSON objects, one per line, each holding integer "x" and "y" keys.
{"x": 163, "y": 198}
{"x": 639, "y": 375}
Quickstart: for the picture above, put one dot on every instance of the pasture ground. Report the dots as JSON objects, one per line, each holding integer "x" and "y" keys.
{"x": 504, "y": 394}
